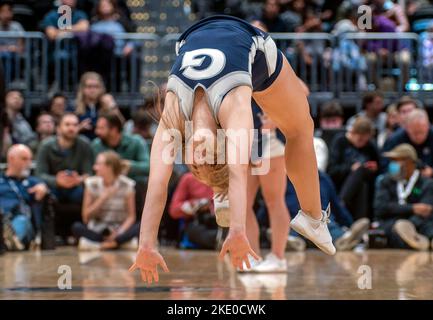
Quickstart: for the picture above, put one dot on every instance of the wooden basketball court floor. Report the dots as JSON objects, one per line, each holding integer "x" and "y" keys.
{"x": 395, "y": 274}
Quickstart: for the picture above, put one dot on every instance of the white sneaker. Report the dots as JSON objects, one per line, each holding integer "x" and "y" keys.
{"x": 131, "y": 244}
{"x": 272, "y": 264}
{"x": 253, "y": 263}
{"x": 407, "y": 232}
{"x": 88, "y": 245}
{"x": 295, "y": 244}
{"x": 315, "y": 230}
{"x": 222, "y": 212}
{"x": 352, "y": 237}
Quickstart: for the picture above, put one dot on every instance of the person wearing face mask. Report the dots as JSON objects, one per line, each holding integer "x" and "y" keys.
{"x": 19, "y": 193}
{"x": 403, "y": 202}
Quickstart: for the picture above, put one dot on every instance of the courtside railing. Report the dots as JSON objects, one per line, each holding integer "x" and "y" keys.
{"x": 331, "y": 66}
{"x": 25, "y": 62}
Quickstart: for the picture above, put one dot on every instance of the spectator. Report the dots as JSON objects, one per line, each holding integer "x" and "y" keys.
{"x": 331, "y": 119}
{"x": 79, "y": 21}
{"x": 87, "y": 104}
{"x": 332, "y": 116}
{"x": 394, "y": 12}
{"x": 45, "y": 127}
{"x": 142, "y": 124}
{"x": 63, "y": 162}
{"x": 107, "y": 20}
{"x": 21, "y": 130}
{"x": 347, "y": 59}
{"x": 109, "y": 105}
{"x": 58, "y": 106}
{"x": 418, "y": 133}
{"x": 132, "y": 149}
{"x": 353, "y": 165}
{"x": 192, "y": 204}
{"x": 19, "y": 193}
{"x": 420, "y": 15}
{"x": 404, "y": 201}
{"x": 270, "y": 17}
{"x": 108, "y": 207}
{"x": 385, "y": 52}
{"x": 372, "y": 105}
{"x": 329, "y": 11}
{"x": 9, "y": 47}
{"x": 392, "y": 124}
{"x": 404, "y": 107}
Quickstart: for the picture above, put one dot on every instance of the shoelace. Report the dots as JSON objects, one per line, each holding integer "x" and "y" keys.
{"x": 326, "y": 214}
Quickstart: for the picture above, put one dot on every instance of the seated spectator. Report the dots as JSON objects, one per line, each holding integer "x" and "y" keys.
{"x": 345, "y": 233}
{"x": 372, "y": 105}
{"x": 21, "y": 130}
{"x": 58, "y": 106}
{"x": 353, "y": 165}
{"x": 270, "y": 17}
{"x": 192, "y": 203}
{"x": 79, "y": 21}
{"x": 404, "y": 107}
{"x": 132, "y": 149}
{"x": 108, "y": 207}
{"x": 404, "y": 201}
{"x": 87, "y": 104}
{"x": 107, "y": 20}
{"x": 142, "y": 124}
{"x": 392, "y": 124}
{"x": 419, "y": 134}
{"x": 64, "y": 161}
{"x": 9, "y": 46}
{"x": 331, "y": 119}
{"x": 45, "y": 127}
{"x": 109, "y": 105}
{"x": 19, "y": 193}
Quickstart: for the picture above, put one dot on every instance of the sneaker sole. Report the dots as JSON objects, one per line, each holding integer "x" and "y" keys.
{"x": 407, "y": 232}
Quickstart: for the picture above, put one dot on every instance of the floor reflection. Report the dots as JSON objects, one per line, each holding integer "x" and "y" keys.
{"x": 395, "y": 274}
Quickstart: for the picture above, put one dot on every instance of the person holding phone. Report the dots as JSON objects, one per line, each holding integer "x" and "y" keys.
{"x": 353, "y": 166}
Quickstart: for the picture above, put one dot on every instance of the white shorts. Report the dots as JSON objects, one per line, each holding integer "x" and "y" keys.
{"x": 272, "y": 147}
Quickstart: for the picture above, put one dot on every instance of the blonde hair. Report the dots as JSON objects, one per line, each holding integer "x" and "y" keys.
{"x": 214, "y": 175}
{"x": 113, "y": 160}
{"x": 80, "y": 108}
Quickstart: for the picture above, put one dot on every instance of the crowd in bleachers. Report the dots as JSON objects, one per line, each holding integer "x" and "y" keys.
{"x": 78, "y": 170}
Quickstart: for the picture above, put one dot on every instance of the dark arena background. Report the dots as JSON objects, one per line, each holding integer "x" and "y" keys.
{"x": 368, "y": 68}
